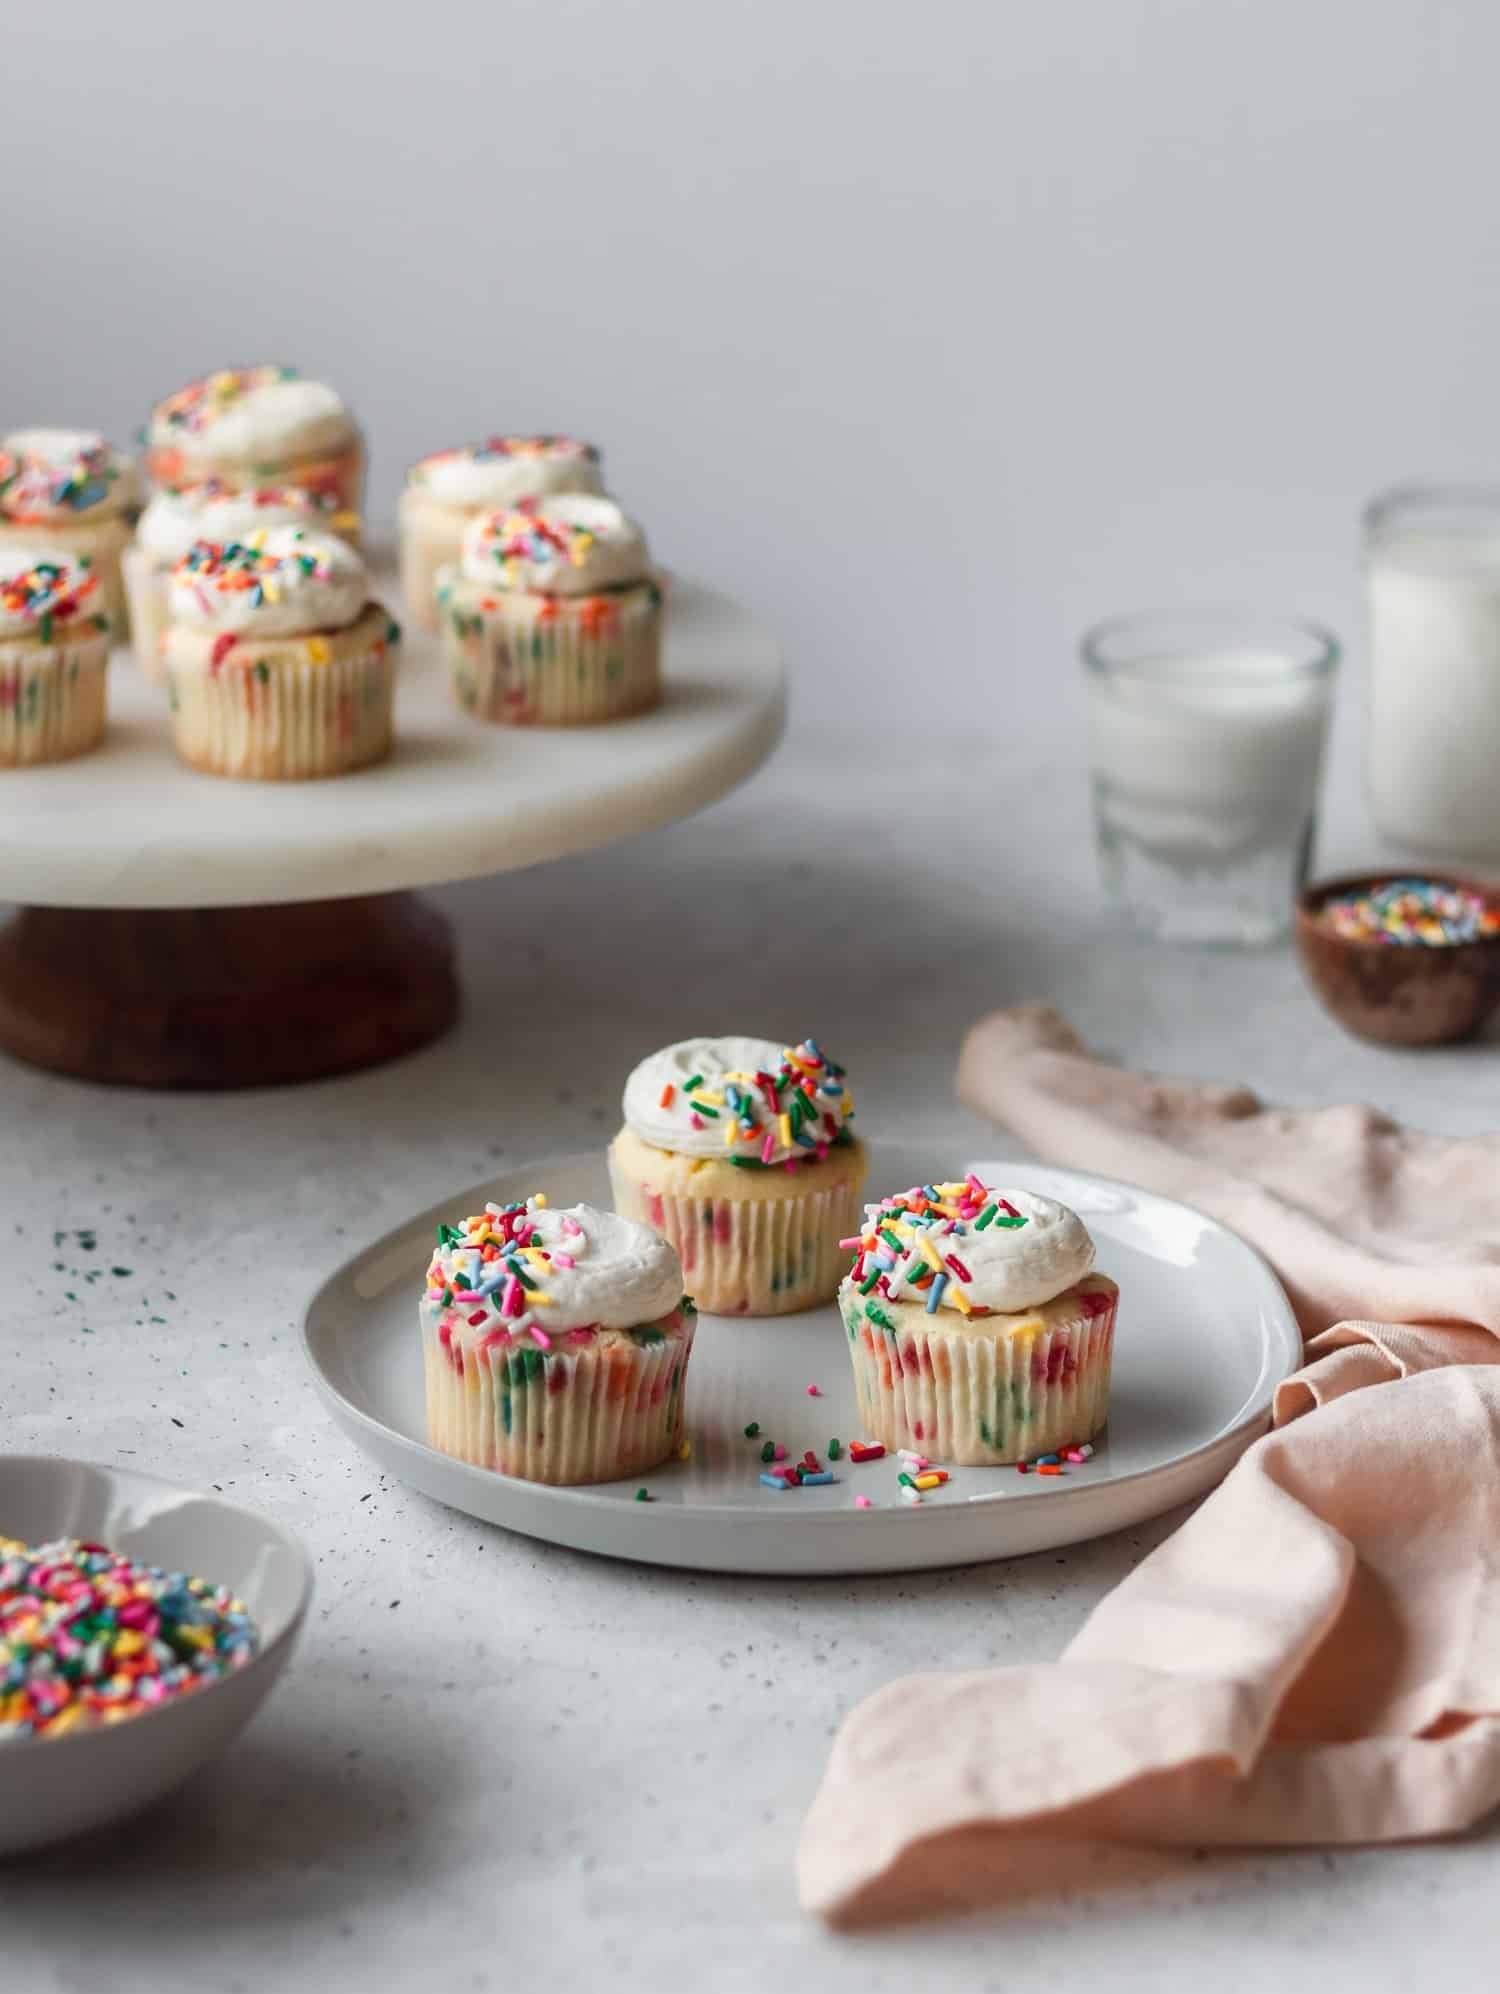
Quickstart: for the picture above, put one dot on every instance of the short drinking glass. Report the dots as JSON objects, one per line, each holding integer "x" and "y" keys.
{"x": 1206, "y": 733}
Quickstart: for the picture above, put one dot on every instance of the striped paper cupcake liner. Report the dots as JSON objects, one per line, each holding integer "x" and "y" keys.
{"x": 596, "y": 1406}
{"x": 53, "y": 699}
{"x": 552, "y": 661}
{"x": 974, "y": 1398}
{"x": 284, "y": 719}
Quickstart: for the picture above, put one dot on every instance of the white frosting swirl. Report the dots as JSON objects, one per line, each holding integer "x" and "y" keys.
{"x": 173, "y": 519}
{"x": 54, "y": 476}
{"x": 574, "y": 544}
{"x": 279, "y": 581}
{"x": 506, "y": 470}
{"x": 1027, "y": 1250}
{"x": 587, "y": 1268}
{"x": 253, "y": 415}
{"x": 729, "y": 1112}
{"x": 41, "y": 587}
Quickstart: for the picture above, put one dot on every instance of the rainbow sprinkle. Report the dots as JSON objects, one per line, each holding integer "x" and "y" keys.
{"x": 201, "y": 403}
{"x": 47, "y": 592}
{"x": 34, "y": 488}
{"x": 230, "y": 567}
{"x": 794, "y": 1115}
{"x": 525, "y": 537}
{"x": 908, "y": 1247}
{"x": 90, "y": 1636}
{"x": 1412, "y": 913}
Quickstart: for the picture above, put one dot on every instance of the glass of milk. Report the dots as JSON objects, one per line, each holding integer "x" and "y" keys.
{"x": 1206, "y": 734}
{"x": 1432, "y": 557}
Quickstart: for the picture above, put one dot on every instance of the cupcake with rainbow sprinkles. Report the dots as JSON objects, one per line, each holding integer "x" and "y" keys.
{"x": 555, "y": 1343}
{"x": 279, "y": 666}
{"x": 451, "y": 487}
{"x": 249, "y": 426}
{"x": 552, "y": 616}
{"x": 739, "y": 1151}
{"x": 977, "y": 1331}
{"x": 67, "y": 489}
{"x": 54, "y": 657}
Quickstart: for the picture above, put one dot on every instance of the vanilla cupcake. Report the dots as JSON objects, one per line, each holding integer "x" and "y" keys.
{"x": 54, "y": 657}
{"x": 740, "y": 1153}
{"x": 249, "y": 426}
{"x": 278, "y": 664}
{"x": 977, "y": 1332}
{"x": 67, "y": 489}
{"x": 173, "y": 520}
{"x": 552, "y": 617}
{"x": 555, "y": 1343}
{"x": 451, "y": 487}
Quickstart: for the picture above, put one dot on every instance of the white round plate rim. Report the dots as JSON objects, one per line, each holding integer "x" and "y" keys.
{"x": 459, "y": 799}
{"x": 1129, "y": 1496}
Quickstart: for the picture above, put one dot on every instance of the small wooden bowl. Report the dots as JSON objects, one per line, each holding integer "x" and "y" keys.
{"x": 1399, "y": 995}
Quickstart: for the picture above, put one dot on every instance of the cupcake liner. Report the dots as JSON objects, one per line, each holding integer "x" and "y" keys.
{"x": 146, "y": 595}
{"x": 761, "y": 1245}
{"x": 597, "y": 1406}
{"x": 976, "y": 1399}
{"x": 284, "y": 716}
{"x": 551, "y": 661}
{"x": 52, "y": 698}
{"x": 431, "y": 537}
{"x": 101, "y": 543}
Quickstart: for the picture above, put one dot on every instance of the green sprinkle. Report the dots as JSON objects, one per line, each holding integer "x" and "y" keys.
{"x": 1010, "y": 1224}
{"x": 702, "y": 1108}
{"x": 879, "y": 1317}
{"x": 893, "y": 1243}
{"x": 643, "y": 1495}
{"x": 752, "y": 1429}
{"x": 748, "y": 1163}
{"x": 985, "y": 1217}
{"x": 768, "y": 1452}
{"x": 906, "y": 1480}
{"x": 691, "y": 1086}
{"x": 866, "y": 1286}
{"x": 835, "y": 1449}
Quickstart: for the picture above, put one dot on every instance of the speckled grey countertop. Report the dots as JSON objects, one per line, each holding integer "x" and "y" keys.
{"x": 496, "y": 1764}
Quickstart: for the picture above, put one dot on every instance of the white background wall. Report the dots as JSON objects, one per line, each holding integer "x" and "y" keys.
{"x": 935, "y": 329}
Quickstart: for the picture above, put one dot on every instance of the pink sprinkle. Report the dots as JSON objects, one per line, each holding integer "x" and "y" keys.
{"x": 976, "y": 1187}
{"x": 768, "y": 1147}
{"x": 1074, "y": 1454}
{"x": 851, "y": 1245}
{"x": 813, "y": 1392}
{"x": 580, "y": 1336}
{"x": 567, "y": 1260}
{"x": 571, "y": 1228}
{"x": 699, "y": 1123}
{"x": 780, "y": 1454}
{"x": 863, "y": 1502}
{"x": 539, "y": 1335}
{"x": 512, "y": 1304}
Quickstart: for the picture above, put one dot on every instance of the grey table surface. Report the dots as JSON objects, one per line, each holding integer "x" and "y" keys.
{"x": 495, "y": 1762}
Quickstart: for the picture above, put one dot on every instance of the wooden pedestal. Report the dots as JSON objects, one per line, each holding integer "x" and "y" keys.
{"x": 225, "y": 997}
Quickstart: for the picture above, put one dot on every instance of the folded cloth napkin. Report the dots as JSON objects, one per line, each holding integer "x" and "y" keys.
{"x": 1315, "y": 1655}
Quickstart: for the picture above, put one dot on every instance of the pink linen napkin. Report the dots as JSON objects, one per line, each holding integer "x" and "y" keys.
{"x": 1315, "y": 1655}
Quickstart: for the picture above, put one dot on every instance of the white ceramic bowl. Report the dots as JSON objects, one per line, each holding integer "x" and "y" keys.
{"x": 54, "y": 1787}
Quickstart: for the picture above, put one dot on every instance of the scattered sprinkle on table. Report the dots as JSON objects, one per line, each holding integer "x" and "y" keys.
{"x": 89, "y": 1636}
{"x": 752, "y": 1429}
{"x": 814, "y": 1392}
{"x": 1412, "y": 913}
{"x": 643, "y": 1495}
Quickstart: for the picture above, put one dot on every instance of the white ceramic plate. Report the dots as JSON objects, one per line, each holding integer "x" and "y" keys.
{"x": 1205, "y": 1335}
{"x": 54, "y": 1787}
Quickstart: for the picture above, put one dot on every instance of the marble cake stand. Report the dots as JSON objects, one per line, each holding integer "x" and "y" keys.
{"x": 177, "y": 930}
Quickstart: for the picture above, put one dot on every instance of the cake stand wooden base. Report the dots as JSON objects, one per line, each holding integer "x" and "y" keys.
{"x": 227, "y": 996}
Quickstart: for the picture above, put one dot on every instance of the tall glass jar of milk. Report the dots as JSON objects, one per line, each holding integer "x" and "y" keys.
{"x": 1433, "y": 561}
{"x": 1206, "y": 736}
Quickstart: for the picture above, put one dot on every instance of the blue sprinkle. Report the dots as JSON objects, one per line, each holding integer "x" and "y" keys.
{"x": 935, "y": 1293}
{"x": 818, "y": 1481}
{"x": 777, "y": 1482}
{"x": 1049, "y": 1460}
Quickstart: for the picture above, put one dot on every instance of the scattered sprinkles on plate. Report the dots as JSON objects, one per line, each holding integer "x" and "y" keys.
{"x": 89, "y": 1636}
{"x": 1412, "y": 913}
{"x": 912, "y": 1244}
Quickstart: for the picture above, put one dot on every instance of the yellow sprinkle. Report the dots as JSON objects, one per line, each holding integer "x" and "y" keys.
{"x": 685, "y": 1451}
{"x": 931, "y": 1255}
{"x": 128, "y": 1642}
{"x": 731, "y": 1130}
{"x": 713, "y": 1100}
{"x": 72, "y": 1719}
{"x": 319, "y": 650}
{"x": 784, "y": 1129}
{"x": 537, "y": 1300}
{"x": 540, "y": 1199}
{"x": 954, "y": 1293}
{"x": 928, "y": 1481}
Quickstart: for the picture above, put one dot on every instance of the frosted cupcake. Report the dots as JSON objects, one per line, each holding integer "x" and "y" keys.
{"x": 67, "y": 489}
{"x": 445, "y": 491}
{"x": 977, "y": 1332}
{"x": 278, "y": 664}
{"x": 742, "y": 1156}
{"x": 552, "y": 617}
{"x": 556, "y": 1343}
{"x": 173, "y": 520}
{"x": 249, "y": 426}
{"x": 54, "y": 657}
